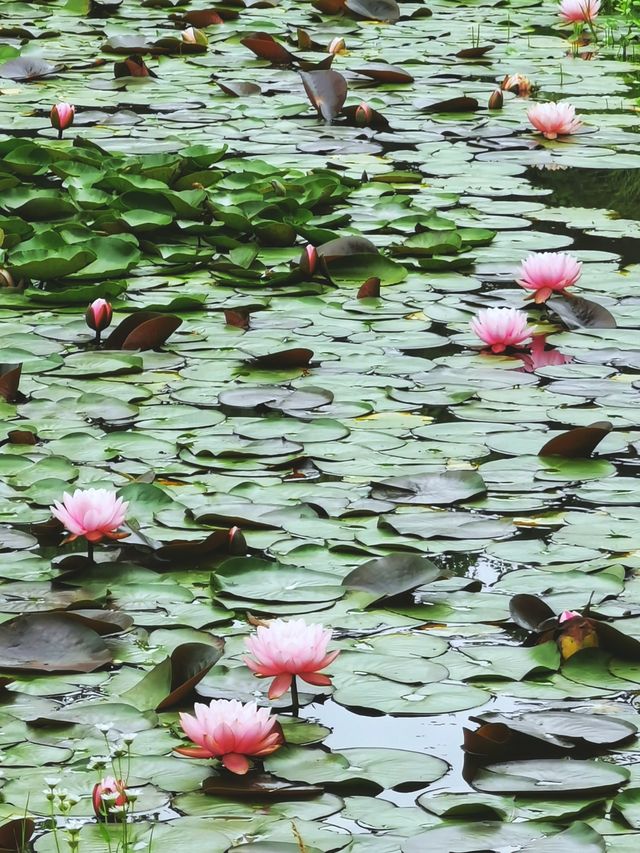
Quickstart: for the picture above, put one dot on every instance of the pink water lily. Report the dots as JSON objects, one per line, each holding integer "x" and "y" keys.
{"x": 233, "y": 732}
{"x": 567, "y": 616}
{"x": 288, "y": 648}
{"x": 546, "y": 273}
{"x": 579, "y": 11}
{"x": 95, "y": 514}
{"x": 554, "y": 120}
{"x": 108, "y": 793}
{"x": 98, "y": 316}
{"x": 538, "y": 356}
{"x": 501, "y": 328}
{"x": 62, "y": 116}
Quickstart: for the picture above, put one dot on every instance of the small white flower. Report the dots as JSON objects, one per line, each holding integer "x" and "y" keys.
{"x": 104, "y": 727}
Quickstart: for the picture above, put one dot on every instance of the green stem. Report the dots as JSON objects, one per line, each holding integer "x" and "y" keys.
{"x": 54, "y": 824}
{"x": 295, "y": 701}
{"x": 91, "y": 559}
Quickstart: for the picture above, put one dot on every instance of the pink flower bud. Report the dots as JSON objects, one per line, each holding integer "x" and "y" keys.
{"x": 337, "y": 45}
{"x": 364, "y": 114}
{"x": 193, "y": 36}
{"x": 98, "y": 315}
{"x": 309, "y": 260}
{"x": 110, "y": 788}
{"x": 62, "y": 116}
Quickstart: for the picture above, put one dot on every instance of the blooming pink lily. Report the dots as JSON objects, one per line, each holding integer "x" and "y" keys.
{"x": 546, "y": 273}
{"x": 95, "y": 514}
{"x": 233, "y": 732}
{"x": 62, "y": 116}
{"x": 501, "y": 327}
{"x": 288, "y": 648}
{"x": 108, "y": 793}
{"x": 554, "y": 120}
{"x": 98, "y": 316}
{"x": 579, "y": 11}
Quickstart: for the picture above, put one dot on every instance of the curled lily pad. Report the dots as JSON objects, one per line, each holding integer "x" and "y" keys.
{"x": 327, "y": 91}
{"x": 578, "y": 443}
{"x": 172, "y": 681}
{"x": 143, "y": 331}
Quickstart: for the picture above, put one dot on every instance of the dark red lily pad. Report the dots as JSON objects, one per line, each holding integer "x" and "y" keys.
{"x": 383, "y": 73}
{"x": 189, "y": 549}
{"x": 461, "y": 104}
{"x": 201, "y": 18}
{"x": 9, "y": 382}
{"x": 578, "y": 443}
{"x": 266, "y": 47}
{"x": 370, "y": 289}
{"x": 474, "y": 52}
{"x": 297, "y": 357}
{"x": 16, "y": 834}
{"x": 51, "y": 642}
{"x": 143, "y": 331}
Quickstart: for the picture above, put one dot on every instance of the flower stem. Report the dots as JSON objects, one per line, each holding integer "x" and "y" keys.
{"x": 295, "y": 701}
{"x": 97, "y": 340}
{"x": 60, "y": 133}
{"x": 90, "y": 551}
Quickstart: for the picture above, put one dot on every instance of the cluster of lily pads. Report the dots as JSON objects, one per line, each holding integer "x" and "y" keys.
{"x": 242, "y": 317}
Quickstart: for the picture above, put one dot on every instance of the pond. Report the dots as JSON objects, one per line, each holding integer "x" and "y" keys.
{"x": 341, "y": 328}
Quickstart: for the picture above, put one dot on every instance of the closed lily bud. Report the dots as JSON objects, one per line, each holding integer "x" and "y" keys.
{"x": 337, "y": 45}
{"x": 193, "y": 36}
{"x": 237, "y": 542}
{"x": 496, "y": 100}
{"x": 309, "y": 260}
{"x": 62, "y": 116}
{"x": 99, "y": 314}
{"x": 108, "y": 794}
{"x": 364, "y": 114}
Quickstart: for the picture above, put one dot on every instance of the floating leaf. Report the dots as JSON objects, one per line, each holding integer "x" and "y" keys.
{"x": 51, "y": 642}
{"x": 431, "y": 489}
{"x": 576, "y": 312}
{"x": 392, "y": 575}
